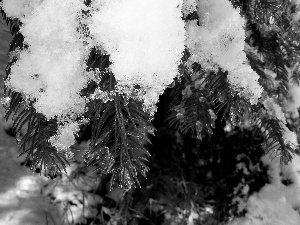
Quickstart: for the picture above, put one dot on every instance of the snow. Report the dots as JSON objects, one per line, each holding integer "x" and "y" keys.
{"x": 219, "y": 43}
{"x": 65, "y": 137}
{"x": 189, "y": 6}
{"x": 292, "y": 106}
{"x": 19, "y": 8}
{"x": 274, "y": 110}
{"x": 290, "y": 138}
{"x": 145, "y": 41}
{"x": 275, "y": 203}
{"x": 51, "y": 68}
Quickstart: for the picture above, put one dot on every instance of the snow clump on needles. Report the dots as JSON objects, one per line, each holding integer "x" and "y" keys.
{"x": 218, "y": 42}
{"x": 145, "y": 41}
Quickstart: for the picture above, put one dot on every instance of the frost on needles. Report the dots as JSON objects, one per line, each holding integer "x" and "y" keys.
{"x": 145, "y": 42}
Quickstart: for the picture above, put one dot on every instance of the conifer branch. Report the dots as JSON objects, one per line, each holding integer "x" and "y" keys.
{"x": 117, "y": 144}
{"x": 274, "y": 143}
{"x": 34, "y": 143}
